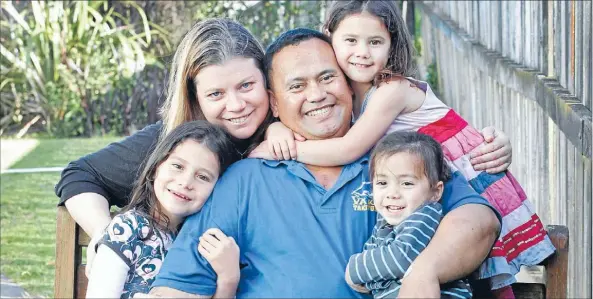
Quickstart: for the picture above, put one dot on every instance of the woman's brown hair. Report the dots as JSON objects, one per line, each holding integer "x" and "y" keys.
{"x": 209, "y": 42}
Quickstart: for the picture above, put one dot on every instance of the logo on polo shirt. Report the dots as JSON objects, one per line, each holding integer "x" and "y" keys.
{"x": 362, "y": 198}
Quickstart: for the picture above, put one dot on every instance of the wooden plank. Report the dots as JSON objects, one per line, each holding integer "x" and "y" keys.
{"x": 587, "y": 194}
{"x": 527, "y": 58}
{"x": 558, "y": 42}
{"x": 529, "y": 291}
{"x": 65, "y": 252}
{"x": 544, "y": 176}
{"x": 553, "y": 153}
{"x": 577, "y": 49}
{"x": 549, "y": 39}
{"x": 572, "y": 214}
{"x": 83, "y": 238}
{"x": 556, "y": 265}
{"x": 564, "y": 42}
{"x": 561, "y": 178}
{"x": 81, "y": 282}
{"x": 538, "y": 36}
{"x": 587, "y": 49}
{"x": 571, "y": 47}
{"x": 504, "y": 28}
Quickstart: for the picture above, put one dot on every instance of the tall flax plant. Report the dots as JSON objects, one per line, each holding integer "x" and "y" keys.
{"x": 59, "y": 58}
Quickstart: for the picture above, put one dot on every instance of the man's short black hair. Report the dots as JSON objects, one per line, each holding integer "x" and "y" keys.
{"x": 289, "y": 38}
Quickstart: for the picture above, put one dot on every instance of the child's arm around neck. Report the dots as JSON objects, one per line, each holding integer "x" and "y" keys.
{"x": 386, "y": 103}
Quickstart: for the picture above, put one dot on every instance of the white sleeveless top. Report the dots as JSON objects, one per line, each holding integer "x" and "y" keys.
{"x": 430, "y": 111}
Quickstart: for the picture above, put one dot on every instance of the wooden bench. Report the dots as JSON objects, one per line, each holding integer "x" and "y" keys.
{"x": 545, "y": 281}
{"x": 71, "y": 281}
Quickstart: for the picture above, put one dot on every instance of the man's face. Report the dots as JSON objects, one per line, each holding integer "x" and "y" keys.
{"x": 310, "y": 94}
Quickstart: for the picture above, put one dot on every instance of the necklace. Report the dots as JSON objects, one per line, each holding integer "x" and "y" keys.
{"x": 242, "y": 154}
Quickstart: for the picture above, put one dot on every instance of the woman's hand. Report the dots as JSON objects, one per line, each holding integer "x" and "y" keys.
{"x": 495, "y": 155}
{"x": 222, "y": 253}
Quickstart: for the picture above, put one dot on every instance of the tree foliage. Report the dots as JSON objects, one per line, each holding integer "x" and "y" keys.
{"x": 60, "y": 59}
{"x": 95, "y": 67}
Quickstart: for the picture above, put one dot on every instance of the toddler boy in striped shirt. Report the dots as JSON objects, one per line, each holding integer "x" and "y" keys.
{"x": 408, "y": 172}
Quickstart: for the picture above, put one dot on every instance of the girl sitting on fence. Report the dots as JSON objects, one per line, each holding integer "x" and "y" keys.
{"x": 374, "y": 49}
{"x": 176, "y": 181}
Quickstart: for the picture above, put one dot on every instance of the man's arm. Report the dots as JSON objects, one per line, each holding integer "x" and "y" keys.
{"x": 460, "y": 245}
{"x": 472, "y": 226}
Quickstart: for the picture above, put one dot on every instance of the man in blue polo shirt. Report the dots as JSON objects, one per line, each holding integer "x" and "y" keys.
{"x": 295, "y": 224}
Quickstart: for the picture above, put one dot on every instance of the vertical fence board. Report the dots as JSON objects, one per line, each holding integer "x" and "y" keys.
{"x": 578, "y": 48}
{"x": 557, "y": 40}
{"x": 588, "y": 221}
{"x": 571, "y": 47}
{"x": 587, "y": 50}
{"x": 572, "y": 212}
{"x": 547, "y": 161}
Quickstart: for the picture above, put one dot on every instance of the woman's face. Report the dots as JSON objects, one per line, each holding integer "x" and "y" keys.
{"x": 234, "y": 96}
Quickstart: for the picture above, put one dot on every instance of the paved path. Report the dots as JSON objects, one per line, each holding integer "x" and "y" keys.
{"x": 9, "y": 289}
{"x": 11, "y": 150}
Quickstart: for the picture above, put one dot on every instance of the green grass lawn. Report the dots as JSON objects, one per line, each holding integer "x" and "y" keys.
{"x": 28, "y": 213}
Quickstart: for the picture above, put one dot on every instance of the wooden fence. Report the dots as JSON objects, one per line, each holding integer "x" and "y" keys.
{"x": 525, "y": 67}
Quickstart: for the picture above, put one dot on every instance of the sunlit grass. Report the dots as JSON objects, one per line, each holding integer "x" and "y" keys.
{"x": 28, "y": 213}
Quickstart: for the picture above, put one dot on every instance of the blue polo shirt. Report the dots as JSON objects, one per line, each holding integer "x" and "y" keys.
{"x": 295, "y": 237}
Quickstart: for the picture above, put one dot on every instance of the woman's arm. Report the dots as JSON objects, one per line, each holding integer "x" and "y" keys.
{"x": 108, "y": 276}
{"x": 92, "y": 223}
{"x": 92, "y": 183}
{"x": 386, "y": 103}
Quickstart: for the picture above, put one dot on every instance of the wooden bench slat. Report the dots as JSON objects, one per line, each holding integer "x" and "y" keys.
{"x": 81, "y": 281}
{"x": 65, "y": 254}
{"x": 557, "y": 265}
{"x": 83, "y": 238}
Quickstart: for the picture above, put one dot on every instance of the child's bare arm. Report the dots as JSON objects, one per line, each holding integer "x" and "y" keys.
{"x": 385, "y": 105}
{"x": 107, "y": 279}
{"x": 223, "y": 255}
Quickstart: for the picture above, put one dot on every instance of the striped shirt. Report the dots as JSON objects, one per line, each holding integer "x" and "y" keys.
{"x": 390, "y": 251}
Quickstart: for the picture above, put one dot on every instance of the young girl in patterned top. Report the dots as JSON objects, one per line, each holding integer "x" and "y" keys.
{"x": 176, "y": 181}
{"x": 374, "y": 49}
{"x": 408, "y": 172}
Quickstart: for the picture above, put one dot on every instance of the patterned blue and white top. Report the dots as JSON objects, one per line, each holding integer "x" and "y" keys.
{"x": 390, "y": 251}
{"x": 140, "y": 245}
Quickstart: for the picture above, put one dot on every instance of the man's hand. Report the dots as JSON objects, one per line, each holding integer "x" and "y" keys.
{"x": 357, "y": 287}
{"x": 420, "y": 283}
{"x": 495, "y": 155}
